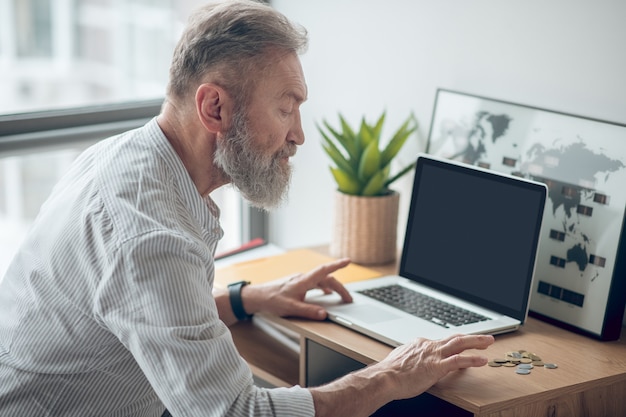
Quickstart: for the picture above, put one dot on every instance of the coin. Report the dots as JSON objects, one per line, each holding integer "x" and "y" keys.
{"x": 523, "y": 359}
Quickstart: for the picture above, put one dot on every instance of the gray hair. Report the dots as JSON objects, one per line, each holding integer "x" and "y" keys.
{"x": 233, "y": 41}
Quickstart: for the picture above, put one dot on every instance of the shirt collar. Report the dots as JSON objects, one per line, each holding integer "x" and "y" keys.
{"x": 203, "y": 208}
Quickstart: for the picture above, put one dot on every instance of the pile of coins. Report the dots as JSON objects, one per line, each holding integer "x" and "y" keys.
{"x": 523, "y": 360}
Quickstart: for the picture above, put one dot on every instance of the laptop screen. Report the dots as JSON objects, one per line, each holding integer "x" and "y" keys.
{"x": 473, "y": 233}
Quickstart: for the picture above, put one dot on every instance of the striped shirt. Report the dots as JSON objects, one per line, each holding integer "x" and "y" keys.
{"x": 107, "y": 309}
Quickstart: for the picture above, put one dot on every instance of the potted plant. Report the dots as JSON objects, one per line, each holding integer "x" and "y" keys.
{"x": 366, "y": 209}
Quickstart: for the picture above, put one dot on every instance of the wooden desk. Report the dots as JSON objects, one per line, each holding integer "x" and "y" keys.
{"x": 590, "y": 380}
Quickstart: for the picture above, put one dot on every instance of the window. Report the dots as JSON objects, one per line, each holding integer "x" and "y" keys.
{"x": 75, "y": 72}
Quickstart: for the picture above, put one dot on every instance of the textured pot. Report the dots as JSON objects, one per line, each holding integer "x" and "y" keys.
{"x": 365, "y": 228}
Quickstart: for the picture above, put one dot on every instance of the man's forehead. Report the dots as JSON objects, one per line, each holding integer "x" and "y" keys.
{"x": 287, "y": 75}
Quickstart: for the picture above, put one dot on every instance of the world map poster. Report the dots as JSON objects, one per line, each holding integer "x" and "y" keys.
{"x": 580, "y": 278}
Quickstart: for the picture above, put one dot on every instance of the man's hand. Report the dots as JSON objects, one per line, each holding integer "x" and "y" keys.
{"x": 418, "y": 365}
{"x": 406, "y": 372}
{"x": 285, "y": 297}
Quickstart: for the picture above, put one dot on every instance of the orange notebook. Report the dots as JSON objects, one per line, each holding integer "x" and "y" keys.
{"x": 286, "y": 264}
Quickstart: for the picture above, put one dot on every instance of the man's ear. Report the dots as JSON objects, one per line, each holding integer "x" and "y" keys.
{"x": 213, "y": 106}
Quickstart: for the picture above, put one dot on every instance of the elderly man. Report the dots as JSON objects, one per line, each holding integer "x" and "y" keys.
{"x": 108, "y": 309}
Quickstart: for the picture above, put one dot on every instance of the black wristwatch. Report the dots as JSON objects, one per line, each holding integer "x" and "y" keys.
{"x": 234, "y": 293}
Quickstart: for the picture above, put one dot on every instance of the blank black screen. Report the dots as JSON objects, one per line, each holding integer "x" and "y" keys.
{"x": 473, "y": 234}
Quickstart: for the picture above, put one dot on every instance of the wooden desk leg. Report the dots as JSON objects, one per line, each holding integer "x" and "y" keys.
{"x": 303, "y": 355}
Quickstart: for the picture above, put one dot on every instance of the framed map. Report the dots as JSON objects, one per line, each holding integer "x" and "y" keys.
{"x": 580, "y": 280}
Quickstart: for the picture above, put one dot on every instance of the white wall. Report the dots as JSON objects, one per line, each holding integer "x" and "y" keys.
{"x": 369, "y": 55}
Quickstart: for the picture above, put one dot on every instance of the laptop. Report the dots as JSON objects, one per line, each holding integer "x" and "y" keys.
{"x": 467, "y": 261}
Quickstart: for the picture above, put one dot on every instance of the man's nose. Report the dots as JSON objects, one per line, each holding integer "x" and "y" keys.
{"x": 296, "y": 133}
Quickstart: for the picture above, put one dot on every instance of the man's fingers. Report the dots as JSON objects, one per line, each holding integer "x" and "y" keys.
{"x": 309, "y": 311}
{"x": 457, "y": 343}
{"x": 315, "y": 276}
{"x": 328, "y": 268}
{"x": 454, "y": 346}
{"x": 459, "y": 361}
{"x": 331, "y": 284}
{"x": 321, "y": 277}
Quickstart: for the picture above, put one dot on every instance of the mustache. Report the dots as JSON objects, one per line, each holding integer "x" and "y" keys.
{"x": 287, "y": 151}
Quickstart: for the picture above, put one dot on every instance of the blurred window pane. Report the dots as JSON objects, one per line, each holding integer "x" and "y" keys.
{"x": 67, "y": 53}
{"x": 59, "y": 54}
{"x": 33, "y": 21}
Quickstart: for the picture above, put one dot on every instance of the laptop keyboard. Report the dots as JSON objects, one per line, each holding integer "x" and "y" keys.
{"x": 423, "y": 306}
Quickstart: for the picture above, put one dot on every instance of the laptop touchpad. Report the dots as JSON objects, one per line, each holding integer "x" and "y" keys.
{"x": 368, "y": 314}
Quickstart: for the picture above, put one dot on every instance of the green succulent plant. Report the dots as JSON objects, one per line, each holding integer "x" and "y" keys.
{"x": 361, "y": 167}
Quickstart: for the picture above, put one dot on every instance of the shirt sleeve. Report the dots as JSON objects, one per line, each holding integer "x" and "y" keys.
{"x": 157, "y": 299}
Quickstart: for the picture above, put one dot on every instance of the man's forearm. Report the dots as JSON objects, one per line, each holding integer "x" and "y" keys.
{"x": 360, "y": 393}
{"x": 252, "y": 298}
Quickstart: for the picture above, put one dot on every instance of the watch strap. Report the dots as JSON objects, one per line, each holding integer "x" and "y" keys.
{"x": 236, "y": 303}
